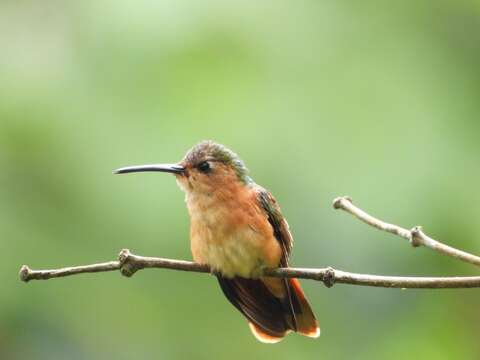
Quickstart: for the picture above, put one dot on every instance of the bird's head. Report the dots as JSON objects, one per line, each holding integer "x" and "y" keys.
{"x": 206, "y": 167}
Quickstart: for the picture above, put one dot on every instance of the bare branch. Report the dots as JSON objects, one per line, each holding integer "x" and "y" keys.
{"x": 415, "y": 236}
{"x": 129, "y": 263}
{"x": 27, "y": 274}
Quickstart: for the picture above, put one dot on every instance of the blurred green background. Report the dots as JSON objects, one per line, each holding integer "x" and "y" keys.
{"x": 377, "y": 100}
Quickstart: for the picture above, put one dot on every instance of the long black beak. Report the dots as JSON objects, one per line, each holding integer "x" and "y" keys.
{"x": 168, "y": 168}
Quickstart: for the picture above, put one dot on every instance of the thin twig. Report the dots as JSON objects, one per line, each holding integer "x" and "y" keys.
{"x": 27, "y": 274}
{"x": 415, "y": 236}
{"x": 129, "y": 263}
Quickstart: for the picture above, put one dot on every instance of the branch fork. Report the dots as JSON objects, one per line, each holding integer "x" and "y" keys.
{"x": 415, "y": 236}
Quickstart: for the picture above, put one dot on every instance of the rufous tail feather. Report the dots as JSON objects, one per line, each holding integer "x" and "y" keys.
{"x": 306, "y": 322}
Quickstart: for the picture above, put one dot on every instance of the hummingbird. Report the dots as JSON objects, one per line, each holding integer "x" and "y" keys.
{"x": 238, "y": 230}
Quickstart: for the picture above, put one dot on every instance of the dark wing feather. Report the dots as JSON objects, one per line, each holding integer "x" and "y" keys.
{"x": 278, "y": 222}
{"x": 284, "y": 238}
{"x": 252, "y": 298}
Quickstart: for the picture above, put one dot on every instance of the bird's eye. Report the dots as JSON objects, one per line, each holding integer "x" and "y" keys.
{"x": 204, "y": 166}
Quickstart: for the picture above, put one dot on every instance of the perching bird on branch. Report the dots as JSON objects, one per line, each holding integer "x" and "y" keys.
{"x": 238, "y": 230}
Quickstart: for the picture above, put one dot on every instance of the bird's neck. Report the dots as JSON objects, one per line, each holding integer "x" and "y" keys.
{"x": 210, "y": 208}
